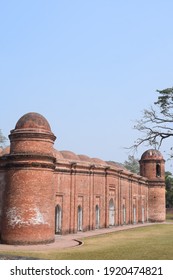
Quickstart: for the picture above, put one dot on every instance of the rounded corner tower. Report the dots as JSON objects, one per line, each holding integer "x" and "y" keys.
{"x": 152, "y": 166}
{"x": 28, "y": 211}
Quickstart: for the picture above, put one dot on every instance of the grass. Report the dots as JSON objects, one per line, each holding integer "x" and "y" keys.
{"x": 146, "y": 243}
{"x": 169, "y": 217}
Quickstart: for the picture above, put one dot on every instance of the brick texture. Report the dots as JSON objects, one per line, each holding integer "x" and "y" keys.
{"x": 44, "y": 192}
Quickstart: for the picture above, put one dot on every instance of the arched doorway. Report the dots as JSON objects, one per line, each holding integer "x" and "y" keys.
{"x": 97, "y": 211}
{"x": 134, "y": 214}
{"x": 124, "y": 214}
{"x": 143, "y": 214}
{"x": 111, "y": 213}
{"x": 79, "y": 218}
{"x": 58, "y": 219}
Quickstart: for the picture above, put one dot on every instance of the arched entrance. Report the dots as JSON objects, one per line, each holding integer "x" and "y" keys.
{"x": 134, "y": 214}
{"x": 79, "y": 218}
{"x": 111, "y": 213}
{"x": 124, "y": 214}
{"x": 143, "y": 214}
{"x": 58, "y": 219}
{"x": 97, "y": 211}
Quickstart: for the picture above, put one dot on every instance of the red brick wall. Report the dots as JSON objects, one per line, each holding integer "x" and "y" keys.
{"x": 156, "y": 189}
{"x": 156, "y": 204}
{"x": 29, "y": 197}
{"x": 86, "y": 195}
{"x": 97, "y": 188}
{"x": 32, "y": 146}
{"x": 29, "y": 210}
{"x": 2, "y": 188}
{"x": 76, "y": 186}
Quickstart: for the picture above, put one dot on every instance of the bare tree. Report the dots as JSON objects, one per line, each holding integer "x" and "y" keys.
{"x": 156, "y": 123}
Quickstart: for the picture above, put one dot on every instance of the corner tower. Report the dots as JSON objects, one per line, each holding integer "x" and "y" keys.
{"x": 152, "y": 166}
{"x": 28, "y": 211}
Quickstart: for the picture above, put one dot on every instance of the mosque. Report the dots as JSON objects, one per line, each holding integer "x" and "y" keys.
{"x": 44, "y": 192}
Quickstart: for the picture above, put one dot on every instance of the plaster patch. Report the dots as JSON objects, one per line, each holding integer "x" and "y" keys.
{"x": 13, "y": 216}
{"x": 31, "y": 216}
{"x": 37, "y": 218}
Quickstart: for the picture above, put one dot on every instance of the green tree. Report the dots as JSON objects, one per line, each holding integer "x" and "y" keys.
{"x": 169, "y": 189}
{"x": 3, "y": 139}
{"x": 132, "y": 164}
{"x": 156, "y": 123}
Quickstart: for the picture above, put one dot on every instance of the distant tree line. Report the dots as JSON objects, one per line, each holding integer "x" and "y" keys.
{"x": 169, "y": 189}
{"x": 3, "y": 139}
{"x": 132, "y": 164}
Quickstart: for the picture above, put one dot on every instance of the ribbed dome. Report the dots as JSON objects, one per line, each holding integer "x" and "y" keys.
{"x": 33, "y": 121}
{"x": 84, "y": 158}
{"x": 151, "y": 154}
{"x": 57, "y": 154}
{"x": 69, "y": 155}
{"x": 99, "y": 161}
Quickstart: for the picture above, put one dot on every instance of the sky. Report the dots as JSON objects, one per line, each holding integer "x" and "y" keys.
{"x": 89, "y": 66}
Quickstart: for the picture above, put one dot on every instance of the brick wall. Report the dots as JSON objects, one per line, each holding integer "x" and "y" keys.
{"x": 40, "y": 196}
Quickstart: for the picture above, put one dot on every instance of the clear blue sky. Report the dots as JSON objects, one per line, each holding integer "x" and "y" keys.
{"x": 89, "y": 66}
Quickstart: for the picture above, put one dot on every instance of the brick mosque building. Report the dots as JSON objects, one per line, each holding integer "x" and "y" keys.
{"x": 44, "y": 192}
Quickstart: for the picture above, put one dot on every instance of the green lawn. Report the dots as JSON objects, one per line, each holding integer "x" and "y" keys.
{"x": 154, "y": 242}
{"x": 169, "y": 217}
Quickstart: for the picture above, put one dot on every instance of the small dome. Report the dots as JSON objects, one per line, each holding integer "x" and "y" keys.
{"x": 84, "y": 158}
{"x": 33, "y": 121}
{"x": 151, "y": 154}
{"x": 116, "y": 164}
{"x": 69, "y": 155}
{"x": 98, "y": 161}
{"x": 57, "y": 154}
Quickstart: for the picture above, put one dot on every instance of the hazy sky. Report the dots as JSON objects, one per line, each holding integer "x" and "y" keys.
{"x": 89, "y": 66}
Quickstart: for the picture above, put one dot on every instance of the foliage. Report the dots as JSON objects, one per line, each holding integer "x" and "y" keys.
{"x": 2, "y": 139}
{"x": 132, "y": 164}
{"x": 169, "y": 189}
{"x": 156, "y": 124}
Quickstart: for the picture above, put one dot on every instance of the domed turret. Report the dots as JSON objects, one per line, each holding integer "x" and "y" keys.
{"x": 28, "y": 209}
{"x": 152, "y": 166}
{"x": 32, "y": 134}
{"x": 33, "y": 121}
